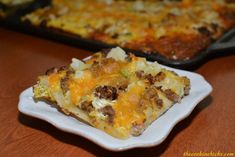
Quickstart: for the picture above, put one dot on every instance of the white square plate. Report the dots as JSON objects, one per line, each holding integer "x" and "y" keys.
{"x": 200, "y": 89}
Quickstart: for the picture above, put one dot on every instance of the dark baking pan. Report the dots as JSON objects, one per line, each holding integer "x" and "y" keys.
{"x": 13, "y": 13}
{"x": 222, "y": 46}
{"x": 21, "y": 9}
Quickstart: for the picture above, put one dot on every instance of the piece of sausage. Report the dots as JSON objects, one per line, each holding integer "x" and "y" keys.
{"x": 51, "y": 71}
{"x": 106, "y": 92}
{"x": 159, "y": 102}
{"x": 160, "y": 76}
{"x": 140, "y": 74}
{"x": 63, "y": 68}
{"x": 108, "y": 111}
{"x": 86, "y": 106}
{"x": 65, "y": 79}
{"x": 151, "y": 96}
{"x": 151, "y": 79}
{"x": 171, "y": 95}
{"x": 137, "y": 129}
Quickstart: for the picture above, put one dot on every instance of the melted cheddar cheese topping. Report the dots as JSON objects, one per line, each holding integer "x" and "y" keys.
{"x": 118, "y": 93}
{"x": 127, "y": 106}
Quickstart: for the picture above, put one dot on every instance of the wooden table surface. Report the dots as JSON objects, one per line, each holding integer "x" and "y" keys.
{"x": 210, "y": 127}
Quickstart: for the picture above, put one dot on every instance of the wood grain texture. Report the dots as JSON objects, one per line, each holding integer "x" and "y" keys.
{"x": 210, "y": 127}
